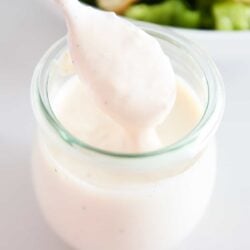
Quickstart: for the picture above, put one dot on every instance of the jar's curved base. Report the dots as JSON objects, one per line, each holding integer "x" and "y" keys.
{"x": 95, "y": 218}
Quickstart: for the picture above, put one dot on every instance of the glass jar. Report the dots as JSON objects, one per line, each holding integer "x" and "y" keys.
{"x": 100, "y": 200}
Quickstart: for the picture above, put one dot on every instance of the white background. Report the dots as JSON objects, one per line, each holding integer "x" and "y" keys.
{"x": 27, "y": 29}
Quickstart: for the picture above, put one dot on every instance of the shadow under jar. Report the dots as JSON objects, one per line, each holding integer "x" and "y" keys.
{"x": 101, "y": 200}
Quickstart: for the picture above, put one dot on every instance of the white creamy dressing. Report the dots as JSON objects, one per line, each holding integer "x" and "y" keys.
{"x": 127, "y": 73}
{"x": 121, "y": 95}
{"x": 83, "y": 118}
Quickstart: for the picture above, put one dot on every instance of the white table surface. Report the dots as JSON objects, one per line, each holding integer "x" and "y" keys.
{"x": 27, "y": 29}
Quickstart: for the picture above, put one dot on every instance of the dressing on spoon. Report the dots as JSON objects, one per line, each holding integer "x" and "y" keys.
{"x": 128, "y": 75}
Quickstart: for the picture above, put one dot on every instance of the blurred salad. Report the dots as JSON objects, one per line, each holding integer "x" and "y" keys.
{"x": 200, "y": 14}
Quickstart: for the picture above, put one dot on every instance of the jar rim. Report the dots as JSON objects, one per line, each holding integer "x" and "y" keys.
{"x": 206, "y": 125}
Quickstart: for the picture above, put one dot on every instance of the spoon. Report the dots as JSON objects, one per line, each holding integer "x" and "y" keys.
{"x": 128, "y": 74}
